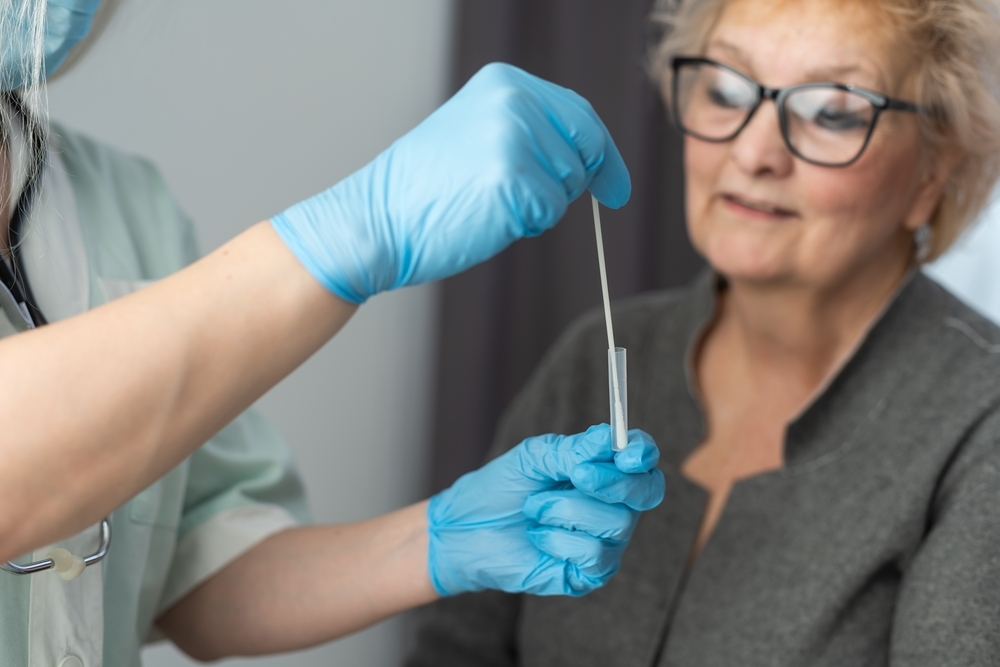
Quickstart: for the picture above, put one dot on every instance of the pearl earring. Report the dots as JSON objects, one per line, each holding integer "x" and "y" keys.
{"x": 922, "y": 240}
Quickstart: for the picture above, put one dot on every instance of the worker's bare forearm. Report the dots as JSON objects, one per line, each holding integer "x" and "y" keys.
{"x": 305, "y": 586}
{"x": 99, "y": 406}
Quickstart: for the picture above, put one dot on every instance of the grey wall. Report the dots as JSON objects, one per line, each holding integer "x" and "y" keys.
{"x": 248, "y": 106}
{"x": 970, "y": 268}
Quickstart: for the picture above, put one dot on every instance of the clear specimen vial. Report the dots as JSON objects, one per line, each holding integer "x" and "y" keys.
{"x": 618, "y": 387}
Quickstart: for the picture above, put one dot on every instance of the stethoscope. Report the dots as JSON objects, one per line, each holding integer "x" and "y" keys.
{"x": 21, "y": 309}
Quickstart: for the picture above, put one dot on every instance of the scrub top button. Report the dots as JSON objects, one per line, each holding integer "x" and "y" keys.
{"x": 71, "y": 661}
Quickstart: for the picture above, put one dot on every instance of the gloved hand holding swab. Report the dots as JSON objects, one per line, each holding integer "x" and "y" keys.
{"x": 617, "y": 366}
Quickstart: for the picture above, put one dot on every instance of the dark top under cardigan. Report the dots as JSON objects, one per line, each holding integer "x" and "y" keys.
{"x": 878, "y": 543}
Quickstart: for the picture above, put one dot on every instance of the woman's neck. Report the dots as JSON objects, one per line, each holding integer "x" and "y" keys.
{"x": 801, "y": 332}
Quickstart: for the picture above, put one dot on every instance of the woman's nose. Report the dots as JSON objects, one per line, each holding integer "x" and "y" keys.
{"x": 760, "y": 150}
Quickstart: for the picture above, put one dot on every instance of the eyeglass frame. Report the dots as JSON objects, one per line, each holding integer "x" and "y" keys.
{"x": 879, "y": 101}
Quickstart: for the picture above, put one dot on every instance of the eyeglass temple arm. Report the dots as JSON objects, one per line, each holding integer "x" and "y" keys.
{"x": 902, "y": 105}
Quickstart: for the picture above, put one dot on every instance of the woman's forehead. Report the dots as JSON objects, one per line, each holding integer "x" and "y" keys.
{"x": 785, "y": 42}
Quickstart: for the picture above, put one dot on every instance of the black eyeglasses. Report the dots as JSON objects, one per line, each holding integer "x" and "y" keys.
{"x": 827, "y": 124}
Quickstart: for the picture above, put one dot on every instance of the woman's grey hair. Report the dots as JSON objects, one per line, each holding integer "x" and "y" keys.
{"x": 955, "y": 48}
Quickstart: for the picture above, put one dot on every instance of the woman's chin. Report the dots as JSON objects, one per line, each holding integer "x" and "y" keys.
{"x": 750, "y": 264}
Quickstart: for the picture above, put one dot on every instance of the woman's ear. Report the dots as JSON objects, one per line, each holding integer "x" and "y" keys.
{"x": 937, "y": 171}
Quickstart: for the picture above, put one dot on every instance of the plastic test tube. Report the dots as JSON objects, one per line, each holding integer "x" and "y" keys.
{"x": 618, "y": 389}
{"x": 617, "y": 375}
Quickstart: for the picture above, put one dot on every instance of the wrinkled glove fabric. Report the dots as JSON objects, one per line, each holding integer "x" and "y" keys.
{"x": 550, "y": 517}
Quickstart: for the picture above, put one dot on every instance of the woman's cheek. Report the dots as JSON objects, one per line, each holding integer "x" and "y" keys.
{"x": 872, "y": 192}
{"x": 702, "y": 163}
{"x": 836, "y": 194}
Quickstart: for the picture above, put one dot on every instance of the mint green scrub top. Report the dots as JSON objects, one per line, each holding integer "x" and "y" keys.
{"x": 103, "y": 226}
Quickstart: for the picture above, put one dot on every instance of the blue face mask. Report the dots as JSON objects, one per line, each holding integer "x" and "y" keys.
{"x": 66, "y": 23}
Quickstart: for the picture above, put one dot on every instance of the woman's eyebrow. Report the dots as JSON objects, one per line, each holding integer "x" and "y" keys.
{"x": 731, "y": 50}
{"x": 822, "y": 73}
{"x": 831, "y": 72}
{"x": 873, "y": 75}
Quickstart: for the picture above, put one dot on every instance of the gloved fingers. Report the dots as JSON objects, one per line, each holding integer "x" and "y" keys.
{"x": 602, "y": 168}
{"x": 581, "y": 129}
{"x": 557, "y": 577}
{"x": 539, "y": 195}
{"x": 589, "y": 462}
{"x": 559, "y": 156}
{"x": 604, "y": 481}
{"x": 640, "y": 455}
{"x": 553, "y": 457}
{"x": 575, "y": 511}
{"x": 606, "y": 172}
{"x": 550, "y": 576}
{"x": 593, "y": 556}
{"x": 608, "y": 176}
{"x": 578, "y": 583}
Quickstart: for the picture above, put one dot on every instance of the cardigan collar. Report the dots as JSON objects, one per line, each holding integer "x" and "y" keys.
{"x": 879, "y": 361}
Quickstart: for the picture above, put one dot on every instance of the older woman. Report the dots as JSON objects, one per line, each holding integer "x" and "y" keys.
{"x": 829, "y": 417}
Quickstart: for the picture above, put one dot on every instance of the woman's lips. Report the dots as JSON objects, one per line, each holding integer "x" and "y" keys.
{"x": 757, "y": 208}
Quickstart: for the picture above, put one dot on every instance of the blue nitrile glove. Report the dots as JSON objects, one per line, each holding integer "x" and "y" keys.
{"x": 550, "y": 517}
{"x": 499, "y": 161}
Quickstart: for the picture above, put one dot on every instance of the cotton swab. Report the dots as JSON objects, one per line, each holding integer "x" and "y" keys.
{"x": 617, "y": 365}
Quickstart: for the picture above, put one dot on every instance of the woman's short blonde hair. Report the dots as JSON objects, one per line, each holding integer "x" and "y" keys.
{"x": 955, "y": 45}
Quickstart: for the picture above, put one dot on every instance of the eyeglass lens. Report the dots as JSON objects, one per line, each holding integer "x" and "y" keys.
{"x": 823, "y": 123}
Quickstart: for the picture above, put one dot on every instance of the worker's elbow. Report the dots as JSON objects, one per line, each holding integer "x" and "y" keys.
{"x": 187, "y": 625}
{"x": 203, "y": 654}
{"x": 192, "y": 643}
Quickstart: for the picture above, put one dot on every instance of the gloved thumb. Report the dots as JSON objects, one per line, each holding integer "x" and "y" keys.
{"x": 611, "y": 183}
{"x": 632, "y": 479}
{"x": 552, "y": 458}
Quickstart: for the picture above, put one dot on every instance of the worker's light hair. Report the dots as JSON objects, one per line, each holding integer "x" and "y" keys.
{"x": 22, "y": 46}
{"x": 22, "y": 20}
{"x": 955, "y": 49}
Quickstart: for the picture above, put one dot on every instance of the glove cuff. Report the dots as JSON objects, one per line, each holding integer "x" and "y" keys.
{"x": 302, "y": 240}
{"x": 446, "y": 580}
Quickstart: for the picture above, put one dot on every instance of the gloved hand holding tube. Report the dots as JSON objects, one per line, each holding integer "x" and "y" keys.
{"x": 550, "y": 517}
{"x": 499, "y": 161}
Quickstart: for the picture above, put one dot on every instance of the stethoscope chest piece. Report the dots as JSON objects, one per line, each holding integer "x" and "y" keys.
{"x": 66, "y": 565}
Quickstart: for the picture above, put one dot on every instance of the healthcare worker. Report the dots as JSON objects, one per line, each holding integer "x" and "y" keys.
{"x": 131, "y": 400}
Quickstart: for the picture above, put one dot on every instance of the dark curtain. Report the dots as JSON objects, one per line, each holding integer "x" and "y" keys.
{"x": 498, "y": 319}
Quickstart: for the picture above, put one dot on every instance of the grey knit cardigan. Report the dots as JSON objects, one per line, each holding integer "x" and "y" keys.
{"x": 878, "y": 543}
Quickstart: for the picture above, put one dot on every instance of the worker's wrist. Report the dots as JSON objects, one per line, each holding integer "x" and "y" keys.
{"x": 411, "y": 556}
